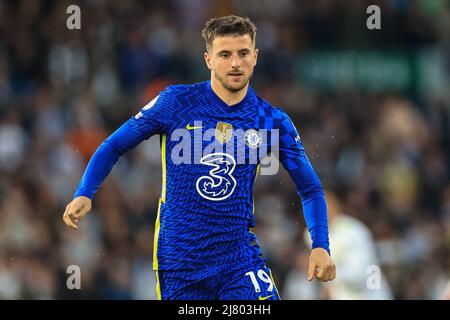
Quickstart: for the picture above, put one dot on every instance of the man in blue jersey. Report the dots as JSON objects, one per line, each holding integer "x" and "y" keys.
{"x": 204, "y": 247}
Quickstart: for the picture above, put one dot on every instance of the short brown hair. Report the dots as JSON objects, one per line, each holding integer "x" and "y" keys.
{"x": 228, "y": 25}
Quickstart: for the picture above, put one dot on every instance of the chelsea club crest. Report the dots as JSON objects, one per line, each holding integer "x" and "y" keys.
{"x": 253, "y": 138}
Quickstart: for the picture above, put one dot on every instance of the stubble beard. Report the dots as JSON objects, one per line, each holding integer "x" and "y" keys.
{"x": 234, "y": 89}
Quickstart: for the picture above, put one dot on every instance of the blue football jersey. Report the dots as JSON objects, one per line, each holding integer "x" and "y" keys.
{"x": 211, "y": 154}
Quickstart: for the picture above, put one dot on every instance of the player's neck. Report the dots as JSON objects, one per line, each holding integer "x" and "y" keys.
{"x": 230, "y": 98}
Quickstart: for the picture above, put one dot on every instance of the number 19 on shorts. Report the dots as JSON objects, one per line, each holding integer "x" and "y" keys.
{"x": 263, "y": 276}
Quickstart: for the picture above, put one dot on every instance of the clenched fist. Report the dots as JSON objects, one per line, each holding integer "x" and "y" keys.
{"x": 321, "y": 266}
{"x": 76, "y": 210}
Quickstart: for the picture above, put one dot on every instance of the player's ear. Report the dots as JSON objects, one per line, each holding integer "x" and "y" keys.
{"x": 255, "y": 56}
{"x": 207, "y": 60}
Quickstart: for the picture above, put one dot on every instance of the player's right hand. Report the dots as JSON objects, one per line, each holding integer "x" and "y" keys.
{"x": 76, "y": 210}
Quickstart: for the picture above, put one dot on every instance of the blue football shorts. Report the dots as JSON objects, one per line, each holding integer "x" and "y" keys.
{"x": 239, "y": 281}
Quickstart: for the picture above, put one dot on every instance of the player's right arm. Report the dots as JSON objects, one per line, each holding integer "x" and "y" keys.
{"x": 152, "y": 119}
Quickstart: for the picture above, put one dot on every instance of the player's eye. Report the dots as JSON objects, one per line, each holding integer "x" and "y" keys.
{"x": 224, "y": 55}
{"x": 244, "y": 53}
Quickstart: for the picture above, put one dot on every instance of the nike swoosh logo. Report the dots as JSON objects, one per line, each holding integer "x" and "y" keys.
{"x": 189, "y": 127}
{"x": 265, "y": 298}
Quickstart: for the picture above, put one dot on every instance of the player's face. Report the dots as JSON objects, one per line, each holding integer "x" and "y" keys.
{"x": 231, "y": 60}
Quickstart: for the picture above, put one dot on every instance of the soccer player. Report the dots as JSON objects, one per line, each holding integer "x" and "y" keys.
{"x": 204, "y": 247}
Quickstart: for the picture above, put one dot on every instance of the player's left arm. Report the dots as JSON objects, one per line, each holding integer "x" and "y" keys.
{"x": 294, "y": 159}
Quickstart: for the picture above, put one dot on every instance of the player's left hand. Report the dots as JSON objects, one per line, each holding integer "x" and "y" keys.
{"x": 321, "y": 266}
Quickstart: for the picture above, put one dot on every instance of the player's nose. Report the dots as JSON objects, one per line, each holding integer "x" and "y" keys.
{"x": 235, "y": 63}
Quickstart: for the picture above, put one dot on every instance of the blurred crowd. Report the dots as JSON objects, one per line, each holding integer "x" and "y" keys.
{"x": 383, "y": 157}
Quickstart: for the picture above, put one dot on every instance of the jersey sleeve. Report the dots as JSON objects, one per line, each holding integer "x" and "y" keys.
{"x": 294, "y": 159}
{"x": 151, "y": 119}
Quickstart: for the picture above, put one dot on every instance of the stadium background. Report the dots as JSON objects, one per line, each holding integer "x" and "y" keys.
{"x": 372, "y": 108}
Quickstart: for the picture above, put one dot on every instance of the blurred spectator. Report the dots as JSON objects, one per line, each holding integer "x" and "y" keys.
{"x": 355, "y": 254}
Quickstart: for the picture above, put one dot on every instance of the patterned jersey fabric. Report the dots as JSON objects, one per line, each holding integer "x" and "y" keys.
{"x": 211, "y": 154}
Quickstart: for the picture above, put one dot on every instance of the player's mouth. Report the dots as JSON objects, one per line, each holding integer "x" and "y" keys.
{"x": 236, "y": 75}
